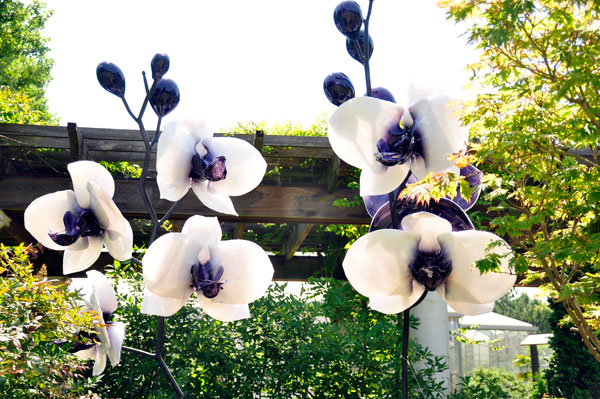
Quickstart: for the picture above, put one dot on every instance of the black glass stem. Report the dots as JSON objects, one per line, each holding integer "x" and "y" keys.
{"x": 156, "y": 223}
{"x": 366, "y": 51}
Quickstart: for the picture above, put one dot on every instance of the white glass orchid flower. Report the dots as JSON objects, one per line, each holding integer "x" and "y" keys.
{"x": 107, "y": 340}
{"x": 226, "y": 275}
{"x": 214, "y": 167}
{"x": 78, "y": 221}
{"x": 395, "y": 267}
{"x": 386, "y": 141}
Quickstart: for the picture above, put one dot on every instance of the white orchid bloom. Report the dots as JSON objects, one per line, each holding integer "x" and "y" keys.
{"x": 226, "y": 275}
{"x": 78, "y": 221}
{"x": 386, "y": 141}
{"x": 214, "y": 167}
{"x": 395, "y": 267}
{"x": 107, "y": 340}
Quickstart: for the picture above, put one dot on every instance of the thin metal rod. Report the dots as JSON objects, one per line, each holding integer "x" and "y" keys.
{"x": 155, "y": 224}
{"x": 366, "y": 51}
{"x": 405, "y": 333}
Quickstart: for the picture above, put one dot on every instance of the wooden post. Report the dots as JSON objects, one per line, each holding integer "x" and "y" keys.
{"x": 75, "y": 141}
{"x": 299, "y": 233}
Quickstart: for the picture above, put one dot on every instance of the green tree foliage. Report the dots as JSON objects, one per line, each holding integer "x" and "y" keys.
{"x": 319, "y": 128}
{"x": 572, "y": 372}
{"x": 492, "y": 383}
{"x": 525, "y": 309}
{"x": 33, "y": 313}
{"x": 328, "y": 346}
{"x": 24, "y": 65}
{"x": 537, "y": 121}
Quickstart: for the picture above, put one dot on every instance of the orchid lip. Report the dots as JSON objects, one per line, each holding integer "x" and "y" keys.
{"x": 205, "y": 278}
{"x": 91, "y": 339}
{"x": 397, "y": 147}
{"x": 208, "y": 167}
{"x": 430, "y": 268}
{"x": 81, "y": 223}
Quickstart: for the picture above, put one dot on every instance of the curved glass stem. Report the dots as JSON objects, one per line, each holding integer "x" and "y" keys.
{"x": 156, "y": 223}
{"x": 366, "y": 50}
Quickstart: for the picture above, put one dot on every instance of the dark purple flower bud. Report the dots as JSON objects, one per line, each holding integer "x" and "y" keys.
{"x": 383, "y": 94}
{"x": 165, "y": 97}
{"x": 338, "y": 88}
{"x": 160, "y": 65}
{"x": 348, "y": 18}
{"x": 111, "y": 78}
{"x": 356, "y": 47}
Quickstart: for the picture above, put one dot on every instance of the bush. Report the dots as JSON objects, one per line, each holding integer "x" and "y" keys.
{"x": 492, "y": 383}
{"x": 329, "y": 347}
{"x": 33, "y": 313}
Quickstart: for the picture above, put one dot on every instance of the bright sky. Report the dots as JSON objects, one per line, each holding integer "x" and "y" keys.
{"x": 240, "y": 60}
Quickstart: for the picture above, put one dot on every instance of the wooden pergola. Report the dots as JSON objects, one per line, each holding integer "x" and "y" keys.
{"x": 303, "y": 179}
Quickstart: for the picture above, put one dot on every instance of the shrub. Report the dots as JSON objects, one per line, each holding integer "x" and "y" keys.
{"x": 33, "y": 313}
{"x": 492, "y": 383}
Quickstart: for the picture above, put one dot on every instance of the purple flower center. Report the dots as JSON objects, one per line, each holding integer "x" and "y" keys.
{"x": 398, "y": 144}
{"x": 430, "y": 269}
{"x": 205, "y": 278}
{"x": 81, "y": 223}
{"x": 208, "y": 167}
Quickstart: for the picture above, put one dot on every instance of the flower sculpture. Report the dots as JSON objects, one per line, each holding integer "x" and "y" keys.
{"x": 386, "y": 141}
{"x": 214, "y": 167}
{"x": 226, "y": 275}
{"x": 107, "y": 339}
{"x": 395, "y": 267}
{"x": 78, "y": 221}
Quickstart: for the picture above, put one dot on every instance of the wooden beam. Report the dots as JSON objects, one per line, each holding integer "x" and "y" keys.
{"x": 299, "y": 233}
{"x": 259, "y": 139}
{"x": 268, "y": 203}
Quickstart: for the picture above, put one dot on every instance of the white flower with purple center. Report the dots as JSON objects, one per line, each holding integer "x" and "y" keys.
{"x": 79, "y": 221}
{"x": 214, "y": 167}
{"x": 395, "y": 267}
{"x": 108, "y": 336}
{"x": 386, "y": 141}
{"x": 226, "y": 275}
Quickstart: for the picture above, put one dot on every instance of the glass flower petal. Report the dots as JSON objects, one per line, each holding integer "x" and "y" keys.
{"x": 440, "y": 131}
{"x": 117, "y": 235}
{"x": 161, "y": 306}
{"x": 382, "y": 183}
{"x": 394, "y": 304}
{"x": 357, "y": 125}
{"x": 82, "y": 254}
{"x": 465, "y": 283}
{"x": 429, "y": 227}
{"x": 216, "y": 201}
{"x": 116, "y": 336}
{"x": 245, "y": 165}
{"x": 377, "y": 263}
{"x": 224, "y": 311}
{"x": 100, "y": 363}
{"x": 466, "y": 308}
{"x": 248, "y": 272}
{"x": 205, "y": 230}
{"x": 84, "y": 171}
{"x": 174, "y": 153}
{"x": 45, "y": 215}
{"x": 104, "y": 291}
{"x": 167, "y": 266}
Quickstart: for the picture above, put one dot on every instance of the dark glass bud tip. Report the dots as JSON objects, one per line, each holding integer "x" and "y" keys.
{"x": 165, "y": 97}
{"x": 111, "y": 78}
{"x": 338, "y": 88}
{"x": 160, "y": 65}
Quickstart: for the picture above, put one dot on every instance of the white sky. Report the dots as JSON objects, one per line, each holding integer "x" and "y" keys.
{"x": 240, "y": 60}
